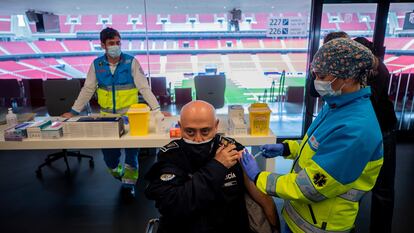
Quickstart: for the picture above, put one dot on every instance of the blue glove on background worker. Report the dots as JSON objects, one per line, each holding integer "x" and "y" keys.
{"x": 272, "y": 150}
{"x": 250, "y": 166}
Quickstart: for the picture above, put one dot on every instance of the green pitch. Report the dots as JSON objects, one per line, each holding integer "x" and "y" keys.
{"x": 240, "y": 95}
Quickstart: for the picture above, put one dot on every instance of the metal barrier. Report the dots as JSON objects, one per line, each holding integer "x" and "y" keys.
{"x": 401, "y": 92}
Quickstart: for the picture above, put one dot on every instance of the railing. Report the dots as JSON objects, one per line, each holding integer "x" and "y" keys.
{"x": 401, "y": 92}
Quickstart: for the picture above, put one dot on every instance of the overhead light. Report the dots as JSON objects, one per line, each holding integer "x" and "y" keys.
{"x": 77, "y": 8}
{"x": 127, "y": 7}
{"x": 175, "y": 7}
{"x": 273, "y": 7}
{"x": 224, "y": 7}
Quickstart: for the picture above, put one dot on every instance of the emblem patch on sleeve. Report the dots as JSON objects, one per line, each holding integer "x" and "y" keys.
{"x": 319, "y": 179}
{"x": 167, "y": 177}
{"x": 169, "y": 146}
{"x": 314, "y": 142}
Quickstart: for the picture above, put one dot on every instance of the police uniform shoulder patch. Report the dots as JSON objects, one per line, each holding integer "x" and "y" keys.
{"x": 319, "y": 179}
{"x": 167, "y": 177}
{"x": 169, "y": 146}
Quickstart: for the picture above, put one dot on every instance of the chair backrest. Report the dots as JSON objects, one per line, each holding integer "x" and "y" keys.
{"x": 183, "y": 95}
{"x": 211, "y": 88}
{"x": 159, "y": 86}
{"x": 295, "y": 94}
{"x": 10, "y": 88}
{"x": 34, "y": 92}
{"x": 60, "y": 95}
{"x": 10, "y": 91}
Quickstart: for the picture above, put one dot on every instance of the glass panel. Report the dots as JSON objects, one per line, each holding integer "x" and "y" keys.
{"x": 210, "y": 38}
{"x": 399, "y": 59}
{"x": 356, "y": 20}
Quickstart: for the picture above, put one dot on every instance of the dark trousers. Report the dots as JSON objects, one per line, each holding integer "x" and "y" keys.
{"x": 382, "y": 204}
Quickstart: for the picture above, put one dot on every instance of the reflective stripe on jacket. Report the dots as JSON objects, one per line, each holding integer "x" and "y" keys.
{"x": 116, "y": 92}
{"x": 337, "y": 162}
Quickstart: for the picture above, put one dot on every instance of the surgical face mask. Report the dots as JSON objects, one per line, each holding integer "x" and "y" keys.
{"x": 324, "y": 88}
{"x": 198, "y": 153}
{"x": 114, "y": 51}
{"x": 196, "y": 143}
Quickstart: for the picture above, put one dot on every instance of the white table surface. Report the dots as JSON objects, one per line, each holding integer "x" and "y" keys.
{"x": 126, "y": 141}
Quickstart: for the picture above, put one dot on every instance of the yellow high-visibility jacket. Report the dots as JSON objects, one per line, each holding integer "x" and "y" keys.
{"x": 337, "y": 162}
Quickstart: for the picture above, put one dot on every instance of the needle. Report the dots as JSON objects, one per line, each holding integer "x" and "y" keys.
{"x": 258, "y": 154}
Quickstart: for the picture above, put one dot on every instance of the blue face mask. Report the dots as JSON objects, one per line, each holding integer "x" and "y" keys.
{"x": 114, "y": 51}
{"x": 324, "y": 88}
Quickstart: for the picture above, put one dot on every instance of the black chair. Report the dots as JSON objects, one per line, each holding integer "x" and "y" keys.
{"x": 295, "y": 94}
{"x": 211, "y": 88}
{"x": 183, "y": 96}
{"x": 11, "y": 93}
{"x": 33, "y": 90}
{"x": 60, "y": 96}
{"x": 160, "y": 90}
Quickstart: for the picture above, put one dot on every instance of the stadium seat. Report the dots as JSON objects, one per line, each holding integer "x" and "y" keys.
{"x": 211, "y": 88}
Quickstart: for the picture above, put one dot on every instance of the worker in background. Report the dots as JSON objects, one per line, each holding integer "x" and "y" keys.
{"x": 235, "y": 18}
{"x": 341, "y": 154}
{"x": 197, "y": 182}
{"x": 117, "y": 78}
{"x": 382, "y": 200}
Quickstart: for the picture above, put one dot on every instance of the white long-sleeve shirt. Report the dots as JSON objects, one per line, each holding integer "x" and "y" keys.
{"x": 91, "y": 84}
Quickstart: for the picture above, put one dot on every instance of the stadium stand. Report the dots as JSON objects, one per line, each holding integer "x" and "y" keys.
{"x": 49, "y": 46}
{"x": 120, "y": 22}
{"x": 46, "y": 64}
{"x": 206, "y": 18}
{"x": 296, "y": 43}
{"x": 207, "y": 44}
{"x": 77, "y": 45}
{"x": 5, "y": 23}
{"x": 396, "y": 43}
{"x": 80, "y": 63}
{"x": 17, "y": 47}
{"x": 251, "y": 43}
{"x": 325, "y": 24}
{"x": 89, "y": 23}
{"x": 261, "y": 21}
{"x": 178, "y": 18}
{"x": 351, "y": 23}
{"x": 153, "y": 24}
{"x": 186, "y": 44}
{"x": 272, "y": 43}
{"x": 158, "y": 44}
{"x": 224, "y": 43}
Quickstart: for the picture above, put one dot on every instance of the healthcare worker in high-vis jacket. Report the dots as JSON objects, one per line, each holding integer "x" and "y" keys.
{"x": 117, "y": 78}
{"x": 341, "y": 154}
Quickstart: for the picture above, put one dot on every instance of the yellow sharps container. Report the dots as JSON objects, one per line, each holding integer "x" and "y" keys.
{"x": 138, "y": 117}
{"x": 259, "y": 118}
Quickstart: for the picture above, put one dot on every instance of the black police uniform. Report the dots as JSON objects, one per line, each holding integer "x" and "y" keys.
{"x": 382, "y": 201}
{"x": 194, "y": 192}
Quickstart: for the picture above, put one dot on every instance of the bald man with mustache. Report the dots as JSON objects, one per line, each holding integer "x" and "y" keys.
{"x": 197, "y": 182}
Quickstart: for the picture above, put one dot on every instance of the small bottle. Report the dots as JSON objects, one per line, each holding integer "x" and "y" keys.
{"x": 11, "y": 118}
{"x": 159, "y": 123}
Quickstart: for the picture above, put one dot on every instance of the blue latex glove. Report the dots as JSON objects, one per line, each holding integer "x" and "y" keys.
{"x": 250, "y": 165}
{"x": 272, "y": 150}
